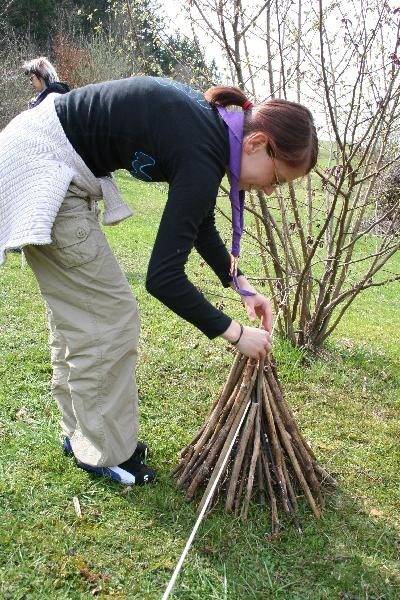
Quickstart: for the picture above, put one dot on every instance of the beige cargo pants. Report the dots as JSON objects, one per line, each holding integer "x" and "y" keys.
{"x": 94, "y": 328}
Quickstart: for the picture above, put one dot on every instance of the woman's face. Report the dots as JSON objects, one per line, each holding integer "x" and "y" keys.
{"x": 261, "y": 172}
{"x": 36, "y": 82}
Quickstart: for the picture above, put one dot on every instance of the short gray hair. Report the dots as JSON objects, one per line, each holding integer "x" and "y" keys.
{"x": 41, "y": 67}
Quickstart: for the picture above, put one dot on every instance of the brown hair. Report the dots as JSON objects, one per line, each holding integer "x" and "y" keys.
{"x": 290, "y": 128}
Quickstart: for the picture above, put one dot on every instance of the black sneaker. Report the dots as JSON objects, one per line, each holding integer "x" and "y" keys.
{"x": 142, "y": 449}
{"x": 138, "y": 469}
{"x": 131, "y": 472}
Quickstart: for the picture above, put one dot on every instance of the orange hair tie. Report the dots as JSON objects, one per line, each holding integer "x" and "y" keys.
{"x": 246, "y": 104}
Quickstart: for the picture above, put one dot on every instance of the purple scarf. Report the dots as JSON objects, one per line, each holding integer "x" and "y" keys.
{"x": 234, "y": 121}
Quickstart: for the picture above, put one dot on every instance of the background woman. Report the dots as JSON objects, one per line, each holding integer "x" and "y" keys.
{"x": 44, "y": 79}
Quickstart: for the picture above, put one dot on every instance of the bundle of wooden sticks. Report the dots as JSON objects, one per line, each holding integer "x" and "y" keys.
{"x": 269, "y": 456}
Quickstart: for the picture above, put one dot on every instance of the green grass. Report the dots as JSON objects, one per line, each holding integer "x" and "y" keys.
{"x": 127, "y": 543}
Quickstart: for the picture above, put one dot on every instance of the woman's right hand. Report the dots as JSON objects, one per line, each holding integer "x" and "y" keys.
{"x": 254, "y": 342}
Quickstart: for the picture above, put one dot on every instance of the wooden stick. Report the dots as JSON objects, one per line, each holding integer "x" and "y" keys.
{"x": 217, "y": 420}
{"x": 304, "y": 454}
{"x": 245, "y": 434}
{"x": 275, "y": 446}
{"x": 307, "y": 467}
{"x": 291, "y": 492}
{"x": 276, "y": 479}
{"x": 272, "y": 365}
{"x": 180, "y": 466}
{"x": 243, "y": 481}
{"x": 324, "y": 475}
{"x": 254, "y": 458}
{"x": 261, "y": 482}
{"x": 275, "y": 526}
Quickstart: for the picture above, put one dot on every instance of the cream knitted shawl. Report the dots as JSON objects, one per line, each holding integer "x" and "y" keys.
{"x": 37, "y": 164}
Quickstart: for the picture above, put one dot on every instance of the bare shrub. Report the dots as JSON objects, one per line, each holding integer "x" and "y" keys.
{"x": 317, "y": 251}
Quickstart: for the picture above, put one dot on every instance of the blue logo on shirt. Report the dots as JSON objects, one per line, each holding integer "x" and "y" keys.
{"x": 139, "y": 163}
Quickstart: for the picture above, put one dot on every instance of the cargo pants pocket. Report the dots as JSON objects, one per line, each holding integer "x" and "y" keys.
{"x": 75, "y": 239}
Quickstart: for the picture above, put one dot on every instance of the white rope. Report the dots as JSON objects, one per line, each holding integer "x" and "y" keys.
{"x": 203, "y": 510}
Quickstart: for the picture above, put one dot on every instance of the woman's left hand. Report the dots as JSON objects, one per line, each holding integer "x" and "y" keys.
{"x": 259, "y": 306}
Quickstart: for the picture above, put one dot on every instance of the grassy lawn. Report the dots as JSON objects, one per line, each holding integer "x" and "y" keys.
{"x": 127, "y": 543}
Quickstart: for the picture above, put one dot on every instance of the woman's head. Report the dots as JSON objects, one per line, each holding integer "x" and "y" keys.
{"x": 41, "y": 72}
{"x": 289, "y": 129}
{"x": 279, "y": 139}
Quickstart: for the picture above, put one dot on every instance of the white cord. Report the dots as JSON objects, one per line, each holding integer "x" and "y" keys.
{"x": 203, "y": 510}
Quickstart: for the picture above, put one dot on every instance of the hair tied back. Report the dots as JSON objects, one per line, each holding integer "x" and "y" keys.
{"x": 246, "y": 105}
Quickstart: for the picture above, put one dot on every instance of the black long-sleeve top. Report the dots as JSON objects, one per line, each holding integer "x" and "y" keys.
{"x": 161, "y": 130}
